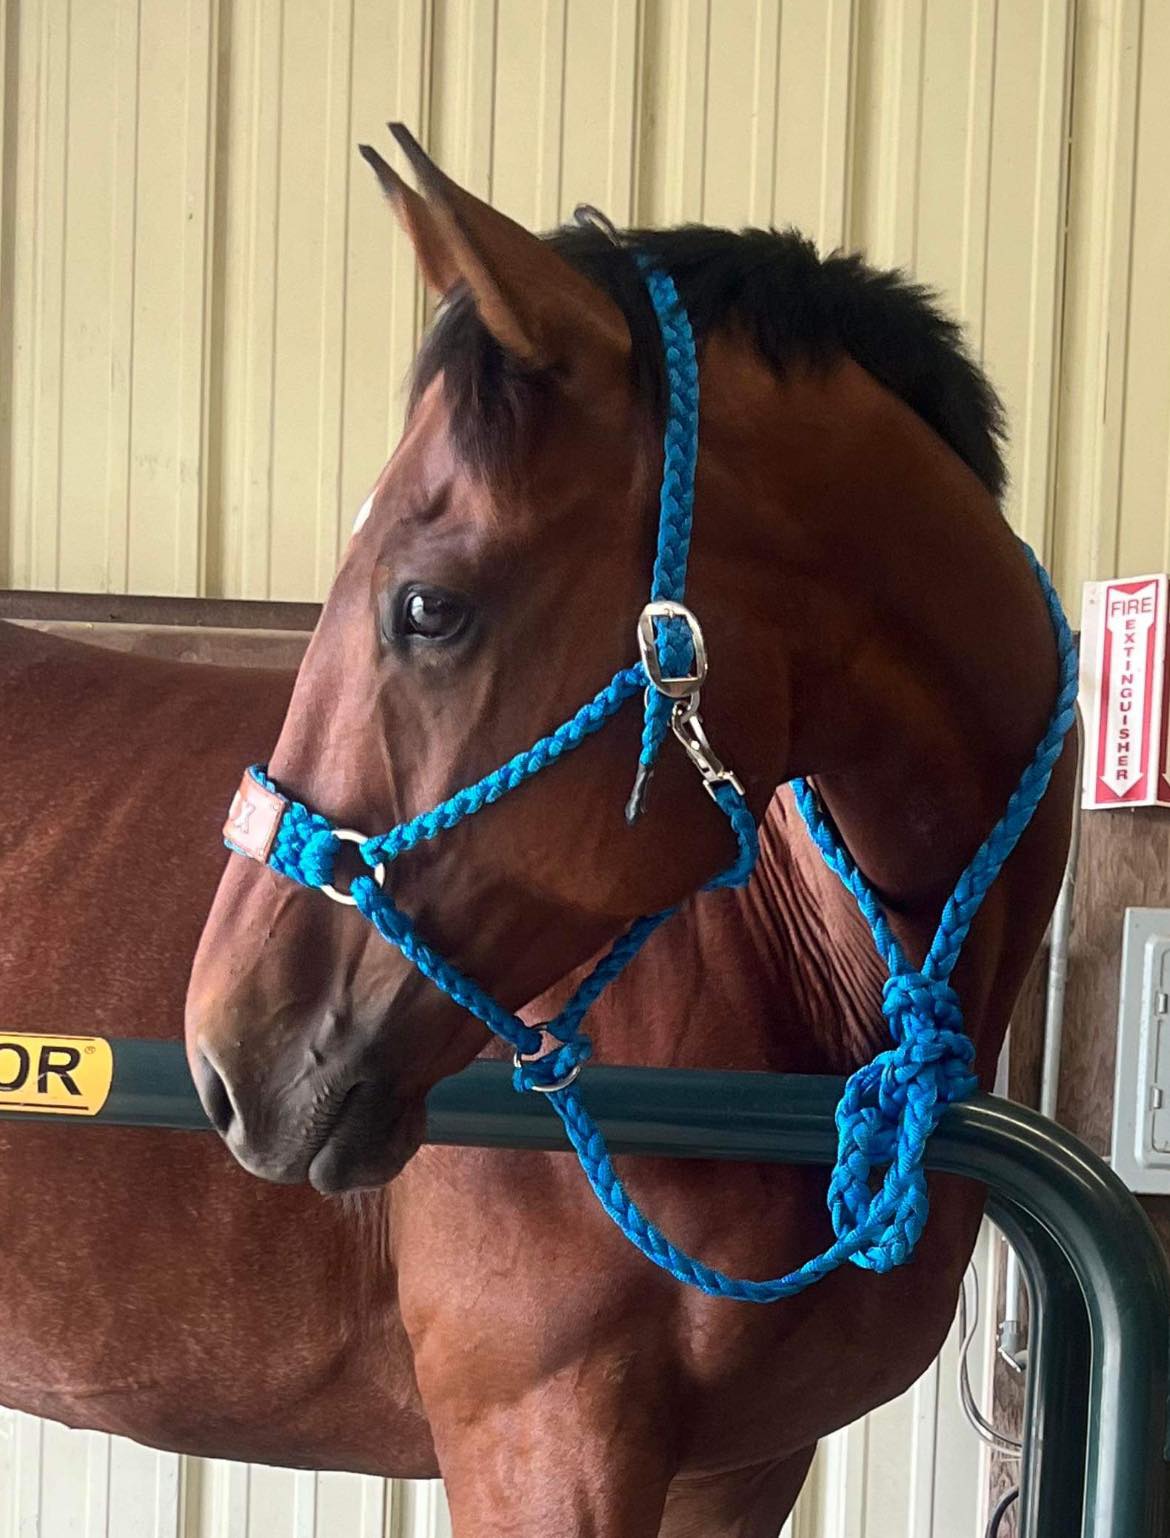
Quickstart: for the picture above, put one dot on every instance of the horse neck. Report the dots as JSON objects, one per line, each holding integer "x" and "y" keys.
{"x": 913, "y": 666}
{"x": 917, "y": 653}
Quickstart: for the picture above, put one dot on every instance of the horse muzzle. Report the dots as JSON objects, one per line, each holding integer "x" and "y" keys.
{"x": 336, "y": 1133}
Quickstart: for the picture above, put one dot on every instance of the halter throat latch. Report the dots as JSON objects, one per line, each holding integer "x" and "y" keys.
{"x": 685, "y": 690}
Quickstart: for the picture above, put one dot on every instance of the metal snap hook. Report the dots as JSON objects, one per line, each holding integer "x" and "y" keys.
{"x": 378, "y": 872}
{"x": 687, "y": 725}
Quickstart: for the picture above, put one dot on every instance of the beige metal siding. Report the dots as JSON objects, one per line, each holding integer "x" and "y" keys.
{"x": 1113, "y": 486}
{"x": 107, "y": 280}
{"x": 206, "y": 319}
{"x": 56, "y": 1483}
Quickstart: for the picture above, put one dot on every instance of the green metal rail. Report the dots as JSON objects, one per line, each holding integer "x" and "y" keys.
{"x": 1095, "y": 1442}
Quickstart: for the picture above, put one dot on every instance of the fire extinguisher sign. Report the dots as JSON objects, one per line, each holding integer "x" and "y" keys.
{"x": 1123, "y": 686}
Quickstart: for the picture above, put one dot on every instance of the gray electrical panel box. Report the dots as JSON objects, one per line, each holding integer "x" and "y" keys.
{"x": 1141, "y": 1101}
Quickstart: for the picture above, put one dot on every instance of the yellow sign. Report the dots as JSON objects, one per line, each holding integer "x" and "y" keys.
{"x": 55, "y": 1075}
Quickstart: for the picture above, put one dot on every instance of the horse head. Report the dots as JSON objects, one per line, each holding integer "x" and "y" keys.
{"x": 493, "y": 583}
{"x": 870, "y": 620}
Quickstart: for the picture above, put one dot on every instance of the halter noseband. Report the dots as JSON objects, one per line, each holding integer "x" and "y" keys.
{"x": 892, "y": 1105}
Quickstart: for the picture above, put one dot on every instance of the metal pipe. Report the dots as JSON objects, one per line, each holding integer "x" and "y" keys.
{"x": 1012, "y": 1335}
{"x": 1056, "y": 1403}
{"x": 1058, "y": 952}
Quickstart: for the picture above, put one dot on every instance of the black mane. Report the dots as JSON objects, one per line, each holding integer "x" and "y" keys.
{"x": 774, "y": 289}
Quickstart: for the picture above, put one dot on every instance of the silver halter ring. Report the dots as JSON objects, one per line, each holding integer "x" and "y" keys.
{"x": 378, "y": 872}
{"x": 520, "y": 1058}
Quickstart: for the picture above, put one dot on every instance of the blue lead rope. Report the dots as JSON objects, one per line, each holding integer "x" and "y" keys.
{"x": 890, "y": 1107}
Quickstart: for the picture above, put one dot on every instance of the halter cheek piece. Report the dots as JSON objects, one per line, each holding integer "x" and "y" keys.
{"x": 891, "y": 1106}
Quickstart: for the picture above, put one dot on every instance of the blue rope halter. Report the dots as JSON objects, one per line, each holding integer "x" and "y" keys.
{"x": 891, "y": 1106}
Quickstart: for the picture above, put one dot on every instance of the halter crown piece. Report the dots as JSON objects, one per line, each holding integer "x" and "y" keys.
{"x": 890, "y": 1107}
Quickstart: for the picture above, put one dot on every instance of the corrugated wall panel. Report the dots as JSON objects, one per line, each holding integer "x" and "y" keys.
{"x": 814, "y": 147}
{"x": 599, "y": 111}
{"x": 205, "y": 319}
{"x": 671, "y": 153}
{"x": 1025, "y": 251}
{"x": 1097, "y": 289}
{"x": 1144, "y": 526}
{"x": 558, "y": 117}
{"x": 56, "y": 1483}
{"x": 320, "y": 307}
{"x": 9, "y": 74}
{"x": 38, "y": 76}
{"x": 1112, "y": 509}
{"x": 109, "y": 292}
{"x": 959, "y": 175}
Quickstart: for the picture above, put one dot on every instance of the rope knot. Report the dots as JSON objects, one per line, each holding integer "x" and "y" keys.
{"x": 916, "y": 1005}
{"x": 930, "y": 1065}
{"x": 888, "y": 1112}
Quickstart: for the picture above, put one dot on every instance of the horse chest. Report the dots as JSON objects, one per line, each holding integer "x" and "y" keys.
{"x": 219, "y": 1317}
{"x": 513, "y": 1286}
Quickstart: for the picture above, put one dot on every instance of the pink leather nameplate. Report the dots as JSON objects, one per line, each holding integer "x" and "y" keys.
{"x": 253, "y": 819}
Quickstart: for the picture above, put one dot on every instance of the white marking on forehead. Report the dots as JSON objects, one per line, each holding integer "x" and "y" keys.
{"x": 360, "y": 521}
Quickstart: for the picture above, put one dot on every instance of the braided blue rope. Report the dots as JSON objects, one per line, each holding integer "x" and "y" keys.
{"x": 306, "y": 847}
{"x": 592, "y": 716}
{"x": 676, "y": 497}
{"x": 891, "y": 1106}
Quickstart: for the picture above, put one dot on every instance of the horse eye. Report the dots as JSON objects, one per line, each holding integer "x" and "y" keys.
{"x": 431, "y": 615}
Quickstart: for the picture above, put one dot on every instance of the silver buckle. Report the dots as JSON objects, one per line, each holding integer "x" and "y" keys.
{"x": 686, "y": 684}
{"x": 350, "y": 836}
{"x": 687, "y": 725}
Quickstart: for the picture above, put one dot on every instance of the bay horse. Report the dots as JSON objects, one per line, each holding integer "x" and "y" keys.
{"x": 874, "y": 625}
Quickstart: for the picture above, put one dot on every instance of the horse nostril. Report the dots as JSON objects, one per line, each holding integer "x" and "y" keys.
{"x": 221, "y": 1113}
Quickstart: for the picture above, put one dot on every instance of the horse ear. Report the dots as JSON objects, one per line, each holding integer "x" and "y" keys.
{"x": 540, "y": 309}
{"x": 416, "y": 219}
